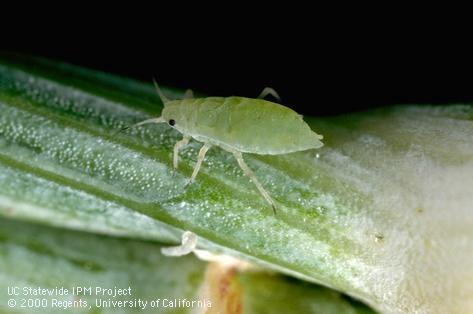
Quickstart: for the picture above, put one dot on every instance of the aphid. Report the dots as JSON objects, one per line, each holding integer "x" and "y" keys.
{"x": 237, "y": 125}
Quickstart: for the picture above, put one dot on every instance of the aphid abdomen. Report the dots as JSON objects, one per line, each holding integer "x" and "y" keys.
{"x": 250, "y": 125}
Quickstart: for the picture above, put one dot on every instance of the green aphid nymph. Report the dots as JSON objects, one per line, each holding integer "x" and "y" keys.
{"x": 237, "y": 125}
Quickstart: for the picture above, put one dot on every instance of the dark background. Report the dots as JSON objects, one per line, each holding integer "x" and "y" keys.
{"x": 317, "y": 73}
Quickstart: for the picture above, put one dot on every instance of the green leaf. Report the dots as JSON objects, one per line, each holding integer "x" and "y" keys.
{"x": 381, "y": 212}
{"x": 34, "y": 257}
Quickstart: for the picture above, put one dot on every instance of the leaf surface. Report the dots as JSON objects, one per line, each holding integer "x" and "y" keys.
{"x": 382, "y": 212}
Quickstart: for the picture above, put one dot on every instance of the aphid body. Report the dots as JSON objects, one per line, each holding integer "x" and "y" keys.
{"x": 244, "y": 124}
{"x": 238, "y": 125}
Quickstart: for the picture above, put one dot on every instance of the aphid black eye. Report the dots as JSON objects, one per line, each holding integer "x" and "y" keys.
{"x": 172, "y": 122}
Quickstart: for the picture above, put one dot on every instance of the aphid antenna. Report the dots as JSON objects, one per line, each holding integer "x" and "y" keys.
{"x": 163, "y": 97}
{"x": 153, "y": 120}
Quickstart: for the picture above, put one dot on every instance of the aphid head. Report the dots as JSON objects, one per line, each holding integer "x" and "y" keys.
{"x": 171, "y": 115}
{"x": 171, "y": 112}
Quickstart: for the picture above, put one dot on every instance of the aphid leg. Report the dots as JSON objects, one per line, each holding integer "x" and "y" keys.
{"x": 177, "y": 147}
{"x": 188, "y": 94}
{"x": 200, "y": 158}
{"x": 251, "y": 175}
{"x": 269, "y": 91}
